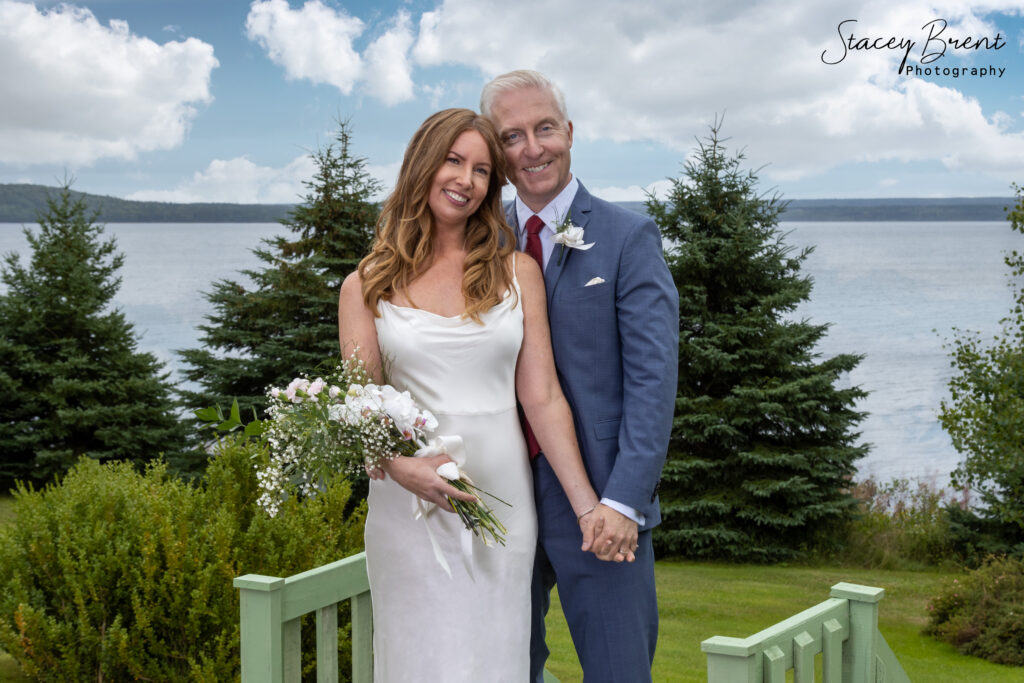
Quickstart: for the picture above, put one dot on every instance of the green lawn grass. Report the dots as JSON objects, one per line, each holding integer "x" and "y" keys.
{"x": 700, "y": 600}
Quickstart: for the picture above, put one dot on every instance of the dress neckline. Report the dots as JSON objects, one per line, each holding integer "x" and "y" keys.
{"x": 423, "y": 310}
{"x": 458, "y": 317}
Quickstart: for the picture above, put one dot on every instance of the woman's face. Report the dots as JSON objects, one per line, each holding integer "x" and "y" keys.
{"x": 461, "y": 183}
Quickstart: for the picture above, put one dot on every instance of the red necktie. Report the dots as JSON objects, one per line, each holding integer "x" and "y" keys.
{"x": 533, "y": 227}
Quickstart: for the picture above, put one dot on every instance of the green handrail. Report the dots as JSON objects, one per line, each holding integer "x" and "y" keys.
{"x": 843, "y": 629}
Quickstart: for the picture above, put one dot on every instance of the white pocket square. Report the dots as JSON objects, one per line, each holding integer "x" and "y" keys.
{"x": 595, "y": 281}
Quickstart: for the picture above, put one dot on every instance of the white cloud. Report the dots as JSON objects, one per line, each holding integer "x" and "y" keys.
{"x": 389, "y": 73}
{"x": 661, "y": 72}
{"x": 317, "y": 43}
{"x": 314, "y": 42}
{"x": 633, "y": 193}
{"x": 75, "y": 91}
{"x": 387, "y": 175}
{"x": 239, "y": 181}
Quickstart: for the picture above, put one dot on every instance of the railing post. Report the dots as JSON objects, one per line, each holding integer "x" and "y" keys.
{"x": 859, "y": 653}
{"x": 730, "y": 660}
{"x": 261, "y": 628}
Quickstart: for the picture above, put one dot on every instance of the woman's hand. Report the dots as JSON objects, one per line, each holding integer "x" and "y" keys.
{"x": 419, "y": 476}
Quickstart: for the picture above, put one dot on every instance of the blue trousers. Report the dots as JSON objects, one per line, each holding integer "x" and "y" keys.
{"x": 611, "y": 607}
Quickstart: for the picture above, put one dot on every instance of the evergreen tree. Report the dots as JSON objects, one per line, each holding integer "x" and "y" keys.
{"x": 985, "y": 414}
{"x": 762, "y": 447}
{"x": 72, "y": 380}
{"x": 287, "y": 323}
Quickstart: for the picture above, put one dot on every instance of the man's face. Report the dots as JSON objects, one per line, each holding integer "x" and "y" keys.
{"x": 536, "y": 142}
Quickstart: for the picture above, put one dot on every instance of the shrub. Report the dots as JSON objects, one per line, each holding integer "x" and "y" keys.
{"x": 117, "y": 575}
{"x": 982, "y": 613}
{"x": 898, "y": 526}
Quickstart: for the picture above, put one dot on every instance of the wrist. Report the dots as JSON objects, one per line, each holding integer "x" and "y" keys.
{"x": 585, "y": 512}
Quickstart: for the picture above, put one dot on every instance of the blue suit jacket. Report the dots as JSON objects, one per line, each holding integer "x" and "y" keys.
{"x": 616, "y": 347}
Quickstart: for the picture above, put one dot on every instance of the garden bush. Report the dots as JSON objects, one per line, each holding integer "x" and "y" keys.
{"x": 113, "y": 574}
{"x": 982, "y": 613}
{"x": 898, "y": 526}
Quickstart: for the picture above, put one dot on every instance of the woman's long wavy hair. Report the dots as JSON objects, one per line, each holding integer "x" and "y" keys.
{"x": 403, "y": 247}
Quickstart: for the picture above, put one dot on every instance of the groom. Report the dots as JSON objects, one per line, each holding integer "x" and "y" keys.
{"x": 615, "y": 332}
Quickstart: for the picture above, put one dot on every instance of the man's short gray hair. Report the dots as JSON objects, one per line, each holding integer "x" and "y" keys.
{"x": 518, "y": 80}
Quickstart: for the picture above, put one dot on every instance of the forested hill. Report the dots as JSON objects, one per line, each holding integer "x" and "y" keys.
{"x": 23, "y": 203}
{"x": 908, "y": 209}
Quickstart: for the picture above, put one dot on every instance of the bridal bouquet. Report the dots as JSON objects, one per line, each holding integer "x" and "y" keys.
{"x": 344, "y": 423}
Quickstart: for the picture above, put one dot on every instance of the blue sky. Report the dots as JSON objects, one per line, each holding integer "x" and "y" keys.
{"x": 203, "y": 100}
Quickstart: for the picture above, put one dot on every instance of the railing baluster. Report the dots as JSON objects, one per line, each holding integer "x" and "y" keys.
{"x": 362, "y": 638}
{"x": 774, "y": 665}
{"x": 292, "y": 635}
{"x": 832, "y": 651}
{"x": 803, "y": 658}
{"x": 327, "y": 644}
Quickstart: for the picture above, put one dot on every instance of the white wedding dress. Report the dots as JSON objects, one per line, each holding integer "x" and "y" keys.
{"x": 474, "y": 626}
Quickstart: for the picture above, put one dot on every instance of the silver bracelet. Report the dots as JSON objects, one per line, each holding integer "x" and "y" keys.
{"x": 585, "y": 513}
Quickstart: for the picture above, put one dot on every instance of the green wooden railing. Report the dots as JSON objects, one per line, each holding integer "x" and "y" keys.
{"x": 271, "y": 610}
{"x": 843, "y": 629}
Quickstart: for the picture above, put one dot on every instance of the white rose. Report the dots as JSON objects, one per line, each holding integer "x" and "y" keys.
{"x": 571, "y": 237}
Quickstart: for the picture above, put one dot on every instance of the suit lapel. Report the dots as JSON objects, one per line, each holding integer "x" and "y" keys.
{"x": 579, "y": 213}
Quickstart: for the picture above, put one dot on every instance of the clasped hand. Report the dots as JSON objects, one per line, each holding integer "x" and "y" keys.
{"x": 609, "y": 534}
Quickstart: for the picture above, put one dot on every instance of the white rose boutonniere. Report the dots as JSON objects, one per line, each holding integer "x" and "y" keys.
{"x": 569, "y": 236}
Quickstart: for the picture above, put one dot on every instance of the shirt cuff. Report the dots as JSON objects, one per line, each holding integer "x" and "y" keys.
{"x": 634, "y": 515}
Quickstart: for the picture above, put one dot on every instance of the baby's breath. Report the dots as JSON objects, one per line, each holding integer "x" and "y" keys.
{"x": 342, "y": 423}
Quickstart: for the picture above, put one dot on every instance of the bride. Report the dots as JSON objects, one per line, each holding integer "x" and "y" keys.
{"x": 445, "y": 308}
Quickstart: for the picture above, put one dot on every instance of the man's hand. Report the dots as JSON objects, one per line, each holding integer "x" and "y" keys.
{"x": 609, "y": 534}
{"x": 419, "y": 475}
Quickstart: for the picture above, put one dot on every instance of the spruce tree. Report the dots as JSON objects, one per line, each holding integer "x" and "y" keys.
{"x": 72, "y": 381}
{"x": 762, "y": 447}
{"x": 287, "y": 322}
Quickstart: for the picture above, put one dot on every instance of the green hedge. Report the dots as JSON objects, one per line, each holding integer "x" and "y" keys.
{"x": 982, "y": 612}
{"x": 117, "y": 575}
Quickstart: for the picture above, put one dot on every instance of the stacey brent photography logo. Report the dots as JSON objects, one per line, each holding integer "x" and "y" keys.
{"x": 934, "y": 41}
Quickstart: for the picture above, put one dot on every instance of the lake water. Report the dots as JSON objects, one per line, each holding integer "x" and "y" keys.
{"x": 891, "y": 291}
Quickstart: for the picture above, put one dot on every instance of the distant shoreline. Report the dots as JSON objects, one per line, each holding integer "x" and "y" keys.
{"x": 21, "y": 203}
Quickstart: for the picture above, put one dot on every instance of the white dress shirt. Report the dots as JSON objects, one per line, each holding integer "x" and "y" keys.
{"x": 556, "y": 211}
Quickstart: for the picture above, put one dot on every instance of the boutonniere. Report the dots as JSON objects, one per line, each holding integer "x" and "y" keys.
{"x": 569, "y": 236}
